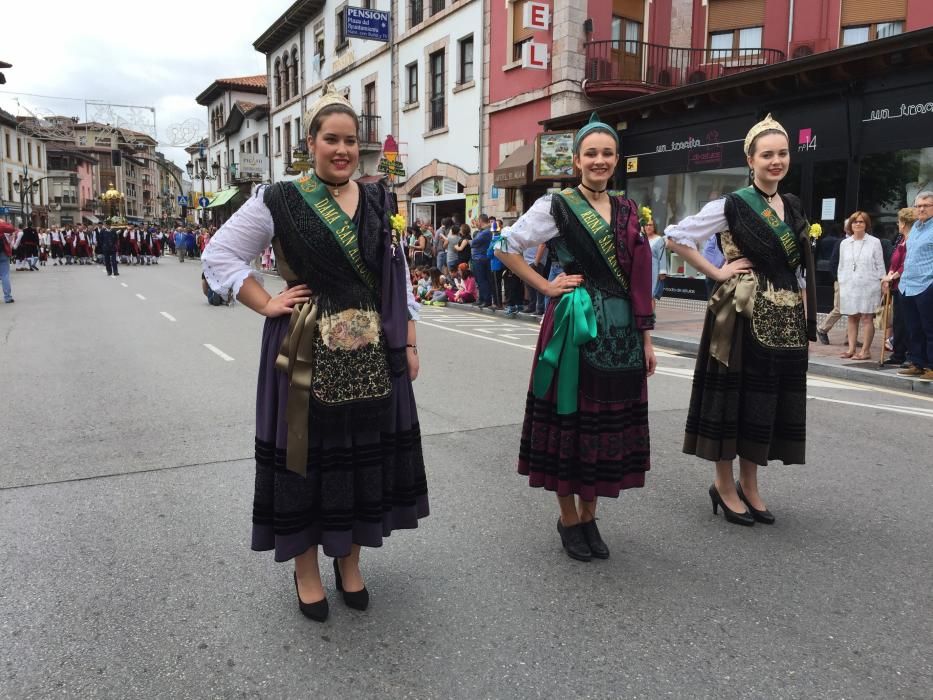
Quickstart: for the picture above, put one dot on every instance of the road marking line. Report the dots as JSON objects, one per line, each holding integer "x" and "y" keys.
{"x": 880, "y": 407}
{"x": 510, "y": 337}
{"x": 168, "y": 316}
{"x": 482, "y": 330}
{"x": 881, "y": 390}
{"x": 220, "y": 353}
{"x": 923, "y": 411}
{"x": 474, "y": 335}
{"x": 140, "y": 296}
{"x": 124, "y": 284}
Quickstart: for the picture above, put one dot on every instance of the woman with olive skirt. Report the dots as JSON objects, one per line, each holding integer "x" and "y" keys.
{"x": 338, "y": 447}
{"x": 749, "y": 396}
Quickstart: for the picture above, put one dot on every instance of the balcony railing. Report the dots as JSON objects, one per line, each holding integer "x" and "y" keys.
{"x": 370, "y": 138}
{"x": 639, "y": 66}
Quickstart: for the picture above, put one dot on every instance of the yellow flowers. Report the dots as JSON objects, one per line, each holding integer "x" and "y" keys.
{"x": 398, "y": 222}
{"x": 816, "y": 231}
{"x": 645, "y": 215}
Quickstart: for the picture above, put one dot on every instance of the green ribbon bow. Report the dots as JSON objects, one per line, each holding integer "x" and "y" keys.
{"x": 574, "y": 326}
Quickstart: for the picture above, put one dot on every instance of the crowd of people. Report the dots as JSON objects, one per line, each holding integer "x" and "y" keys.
{"x": 30, "y": 249}
{"x": 869, "y": 288}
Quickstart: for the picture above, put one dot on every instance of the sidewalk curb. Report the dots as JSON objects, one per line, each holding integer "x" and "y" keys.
{"x": 689, "y": 347}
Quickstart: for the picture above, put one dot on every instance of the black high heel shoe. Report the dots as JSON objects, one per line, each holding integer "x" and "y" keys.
{"x": 316, "y": 611}
{"x": 745, "y": 518}
{"x": 762, "y": 516}
{"x": 358, "y": 600}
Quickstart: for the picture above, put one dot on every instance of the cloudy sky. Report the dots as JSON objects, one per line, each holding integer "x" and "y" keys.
{"x": 156, "y": 54}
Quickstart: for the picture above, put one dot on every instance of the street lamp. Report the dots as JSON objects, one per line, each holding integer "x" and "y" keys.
{"x": 198, "y": 169}
{"x": 26, "y": 187}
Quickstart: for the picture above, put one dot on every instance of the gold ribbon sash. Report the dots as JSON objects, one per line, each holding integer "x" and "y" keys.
{"x": 734, "y": 297}
{"x": 294, "y": 359}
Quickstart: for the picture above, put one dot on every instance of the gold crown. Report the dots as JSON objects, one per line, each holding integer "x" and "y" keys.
{"x": 766, "y": 124}
{"x": 328, "y": 98}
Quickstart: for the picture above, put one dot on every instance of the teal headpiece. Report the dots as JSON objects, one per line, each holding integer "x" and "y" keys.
{"x": 592, "y": 125}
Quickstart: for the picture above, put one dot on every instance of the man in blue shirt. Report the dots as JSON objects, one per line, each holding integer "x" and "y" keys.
{"x": 480, "y": 253}
{"x": 181, "y": 247}
{"x": 916, "y": 286}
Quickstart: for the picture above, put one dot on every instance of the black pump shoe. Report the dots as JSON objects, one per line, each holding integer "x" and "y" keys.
{"x": 358, "y": 600}
{"x": 574, "y": 541}
{"x": 316, "y": 611}
{"x": 745, "y": 518}
{"x": 762, "y": 516}
{"x": 598, "y": 548}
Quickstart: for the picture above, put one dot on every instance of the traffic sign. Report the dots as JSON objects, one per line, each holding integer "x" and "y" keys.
{"x": 4, "y": 210}
{"x": 183, "y": 200}
{"x": 203, "y": 202}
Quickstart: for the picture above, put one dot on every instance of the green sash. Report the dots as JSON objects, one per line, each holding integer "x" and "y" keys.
{"x": 318, "y": 197}
{"x": 599, "y": 230}
{"x": 574, "y": 326}
{"x": 752, "y": 198}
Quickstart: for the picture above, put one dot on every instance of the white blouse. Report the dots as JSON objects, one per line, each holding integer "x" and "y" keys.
{"x": 711, "y": 219}
{"x": 534, "y": 227}
{"x": 243, "y": 237}
{"x": 699, "y": 228}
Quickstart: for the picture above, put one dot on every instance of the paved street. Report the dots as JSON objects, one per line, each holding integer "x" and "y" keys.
{"x": 125, "y": 496}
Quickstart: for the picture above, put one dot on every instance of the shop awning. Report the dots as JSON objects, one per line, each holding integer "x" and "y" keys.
{"x": 223, "y": 197}
{"x": 515, "y": 170}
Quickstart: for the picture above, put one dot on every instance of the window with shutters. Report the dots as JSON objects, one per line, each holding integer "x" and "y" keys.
{"x": 411, "y": 70}
{"x": 735, "y": 28}
{"x": 869, "y": 32}
{"x": 520, "y": 35}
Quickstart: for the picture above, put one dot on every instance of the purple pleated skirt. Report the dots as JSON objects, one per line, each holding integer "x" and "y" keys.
{"x": 600, "y": 450}
{"x": 365, "y": 474}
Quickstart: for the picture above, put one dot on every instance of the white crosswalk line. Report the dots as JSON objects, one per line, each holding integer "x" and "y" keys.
{"x": 140, "y": 296}
{"x": 168, "y": 316}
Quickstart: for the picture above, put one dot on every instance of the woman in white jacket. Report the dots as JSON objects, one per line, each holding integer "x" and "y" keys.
{"x": 861, "y": 267}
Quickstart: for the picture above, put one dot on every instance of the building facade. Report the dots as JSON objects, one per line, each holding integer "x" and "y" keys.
{"x": 420, "y": 87}
{"x": 237, "y": 117}
{"x": 626, "y": 50}
{"x": 21, "y": 155}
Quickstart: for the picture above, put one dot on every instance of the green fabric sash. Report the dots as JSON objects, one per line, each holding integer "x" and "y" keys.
{"x": 598, "y": 228}
{"x": 318, "y": 197}
{"x": 752, "y": 198}
{"x": 574, "y": 326}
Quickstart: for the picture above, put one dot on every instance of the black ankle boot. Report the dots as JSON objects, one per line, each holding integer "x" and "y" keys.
{"x": 574, "y": 541}
{"x": 595, "y": 541}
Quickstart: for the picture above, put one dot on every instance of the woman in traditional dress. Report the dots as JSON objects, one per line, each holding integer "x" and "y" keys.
{"x": 338, "y": 446}
{"x": 750, "y": 384}
{"x": 585, "y": 432}
{"x": 861, "y": 267}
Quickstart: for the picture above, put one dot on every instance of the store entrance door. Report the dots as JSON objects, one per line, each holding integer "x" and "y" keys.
{"x": 826, "y": 206}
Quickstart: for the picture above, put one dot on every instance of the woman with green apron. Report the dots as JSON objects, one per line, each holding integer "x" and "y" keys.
{"x": 585, "y": 432}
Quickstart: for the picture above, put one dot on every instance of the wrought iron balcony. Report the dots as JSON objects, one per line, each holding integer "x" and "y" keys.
{"x": 370, "y": 138}
{"x": 620, "y": 69}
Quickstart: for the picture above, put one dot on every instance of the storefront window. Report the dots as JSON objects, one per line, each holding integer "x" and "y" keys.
{"x": 890, "y": 181}
{"x": 673, "y": 197}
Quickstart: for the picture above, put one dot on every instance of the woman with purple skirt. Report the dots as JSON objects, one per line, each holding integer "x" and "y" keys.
{"x": 338, "y": 446}
{"x": 585, "y": 433}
